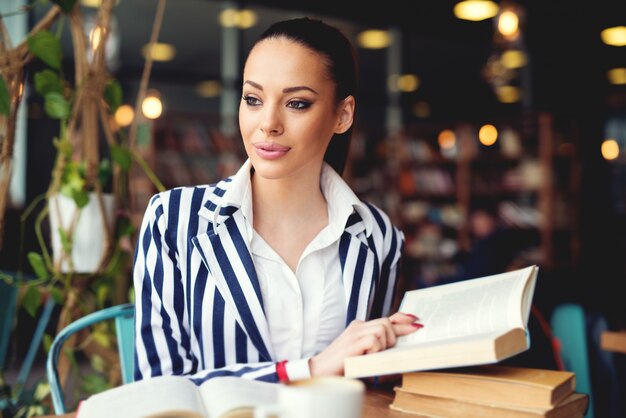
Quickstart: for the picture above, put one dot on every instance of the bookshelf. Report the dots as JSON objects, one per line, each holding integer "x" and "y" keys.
{"x": 530, "y": 177}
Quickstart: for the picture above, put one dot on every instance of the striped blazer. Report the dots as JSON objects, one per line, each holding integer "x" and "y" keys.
{"x": 199, "y": 309}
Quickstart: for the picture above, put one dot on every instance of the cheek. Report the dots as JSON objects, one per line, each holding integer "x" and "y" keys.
{"x": 245, "y": 122}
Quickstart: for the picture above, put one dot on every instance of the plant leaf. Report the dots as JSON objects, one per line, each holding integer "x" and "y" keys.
{"x": 65, "y": 241}
{"x": 56, "y": 106}
{"x": 5, "y": 101}
{"x": 102, "y": 338}
{"x": 102, "y": 293}
{"x": 47, "y": 81}
{"x": 38, "y": 265}
{"x": 57, "y": 295}
{"x": 104, "y": 171}
{"x": 94, "y": 383}
{"x": 113, "y": 94}
{"x": 65, "y": 5}
{"x": 122, "y": 157}
{"x": 81, "y": 198}
{"x": 47, "y": 47}
{"x": 124, "y": 227}
{"x": 47, "y": 342}
{"x": 41, "y": 391}
{"x": 31, "y": 300}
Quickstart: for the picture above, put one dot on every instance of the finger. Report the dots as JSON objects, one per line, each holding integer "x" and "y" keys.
{"x": 404, "y": 329}
{"x": 403, "y": 318}
{"x": 373, "y": 344}
{"x": 378, "y": 329}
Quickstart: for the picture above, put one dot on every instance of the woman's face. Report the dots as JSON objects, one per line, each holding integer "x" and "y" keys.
{"x": 288, "y": 112}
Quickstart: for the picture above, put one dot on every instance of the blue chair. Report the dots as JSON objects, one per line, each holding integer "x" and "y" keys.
{"x": 569, "y": 327}
{"x": 124, "y": 326}
{"x": 8, "y": 299}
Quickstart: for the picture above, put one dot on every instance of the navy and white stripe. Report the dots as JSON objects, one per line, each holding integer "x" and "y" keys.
{"x": 199, "y": 306}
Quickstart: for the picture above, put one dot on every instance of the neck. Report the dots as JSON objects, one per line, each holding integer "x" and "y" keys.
{"x": 289, "y": 198}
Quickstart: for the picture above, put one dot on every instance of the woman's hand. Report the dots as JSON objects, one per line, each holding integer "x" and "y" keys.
{"x": 362, "y": 337}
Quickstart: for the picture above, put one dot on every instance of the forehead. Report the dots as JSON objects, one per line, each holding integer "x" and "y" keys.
{"x": 282, "y": 58}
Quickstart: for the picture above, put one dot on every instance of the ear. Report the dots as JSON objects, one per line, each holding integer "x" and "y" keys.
{"x": 345, "y": 115}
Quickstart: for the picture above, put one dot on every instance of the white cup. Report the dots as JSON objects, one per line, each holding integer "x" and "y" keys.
{"x": 319, "y": 397}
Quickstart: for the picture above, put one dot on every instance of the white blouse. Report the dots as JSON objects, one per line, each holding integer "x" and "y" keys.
{"x": 306, "y": 311}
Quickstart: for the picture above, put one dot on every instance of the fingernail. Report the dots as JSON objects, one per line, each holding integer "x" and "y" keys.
{"x": 418, "y": 326}
{"x": 411, "y": 315}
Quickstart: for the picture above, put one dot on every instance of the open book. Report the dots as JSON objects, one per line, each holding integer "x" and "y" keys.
{"x": 466, "y": 323}
{"x": 177, "y": 396}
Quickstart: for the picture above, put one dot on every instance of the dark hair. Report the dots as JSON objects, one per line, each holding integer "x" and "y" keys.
{"x": 331, "y": 43}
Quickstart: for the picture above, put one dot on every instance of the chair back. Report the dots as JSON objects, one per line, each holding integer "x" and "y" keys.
{"x": 125, "y": 332}
{"x": 8, "y": 295}
{"x": 569, "y": 327}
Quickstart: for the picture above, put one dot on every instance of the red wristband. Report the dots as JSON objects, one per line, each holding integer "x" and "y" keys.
{"x": 281, "y": 371}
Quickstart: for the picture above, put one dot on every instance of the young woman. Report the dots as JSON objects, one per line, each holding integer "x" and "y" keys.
{"x": 279, "y": 272}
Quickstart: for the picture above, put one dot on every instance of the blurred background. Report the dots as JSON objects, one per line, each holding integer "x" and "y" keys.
{"x": 493, "y": 141}
{"x": 521, "y": 114}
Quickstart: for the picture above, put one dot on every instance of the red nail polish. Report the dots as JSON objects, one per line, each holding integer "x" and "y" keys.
{"x": 418, "y": 326}
{"x": 411, "y": 315}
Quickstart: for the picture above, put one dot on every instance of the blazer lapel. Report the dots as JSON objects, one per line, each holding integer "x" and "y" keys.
{"x": 359, "y": 267}
{"x": 224, "y": 250}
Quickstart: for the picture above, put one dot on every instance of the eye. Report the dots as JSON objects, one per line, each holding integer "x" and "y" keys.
{"x": 251, "y": 101}
{"x": 299, "y": 104}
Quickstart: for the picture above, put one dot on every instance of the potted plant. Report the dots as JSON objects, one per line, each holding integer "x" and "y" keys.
{"x": 82, "y": 270}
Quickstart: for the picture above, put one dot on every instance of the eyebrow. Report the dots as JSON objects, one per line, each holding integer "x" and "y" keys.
{"x": 285, "y": 90}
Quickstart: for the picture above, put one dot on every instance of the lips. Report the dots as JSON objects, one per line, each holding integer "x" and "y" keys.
{"x": 270, "y": 150}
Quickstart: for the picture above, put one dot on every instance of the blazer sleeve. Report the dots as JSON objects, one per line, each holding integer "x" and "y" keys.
{"x": 162, "y": 341}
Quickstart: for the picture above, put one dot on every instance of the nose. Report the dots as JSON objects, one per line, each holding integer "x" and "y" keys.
{"x": 271, "y": 124}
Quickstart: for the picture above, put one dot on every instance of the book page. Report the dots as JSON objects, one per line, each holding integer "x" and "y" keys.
{"x": 488, "y": 304}
{"x": 158, "y": 396}
{"x": 229, "y": 393}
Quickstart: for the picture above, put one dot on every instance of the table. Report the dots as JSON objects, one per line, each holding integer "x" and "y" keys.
{"x": 375, "y": 405}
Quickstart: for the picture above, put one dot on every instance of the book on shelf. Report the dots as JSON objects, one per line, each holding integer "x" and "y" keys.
{"x": 574, "y": 406}
{"x": 178, "y": 396}
{"x": 495, "y": 384}
{"x": 466, "y": 323}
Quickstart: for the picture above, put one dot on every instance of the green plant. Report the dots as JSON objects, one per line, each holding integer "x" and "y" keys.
{"x": 83, "y": 109}
{"x": 20, "y": 403}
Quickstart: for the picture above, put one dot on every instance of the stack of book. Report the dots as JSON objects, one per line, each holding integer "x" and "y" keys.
{"x": 490, "y": 391}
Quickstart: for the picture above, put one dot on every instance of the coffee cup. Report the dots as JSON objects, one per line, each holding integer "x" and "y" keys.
{"x": 327, "y": 397}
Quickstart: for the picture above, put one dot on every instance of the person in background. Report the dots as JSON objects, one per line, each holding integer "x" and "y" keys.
{"x": 278, "y": 272}
{"x": 494, "y": 248}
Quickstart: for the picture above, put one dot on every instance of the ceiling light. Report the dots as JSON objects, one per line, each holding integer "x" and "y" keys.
{"x": 609, "y": 149}
{"x": 405, "y": 83}
{"x": 159, "y": 51}
{"x": 91, "y": 3}
{"x": 234, "y": 18}
{"x": 209, "y": 88}
{"x": 508, "y": 94}
{"x": 374, "y": 39}
{"x": 617, "y": 76}
{"x": 488, "y": 135}
{"x": 615, "y": 36}
{"x": 508, "y": 24}
{"x": 513, "y": 58}
{"x": 94, "y": 4}
{"x": 151, "y": 106}
{"x": 476, "y": 10}
{"x": 446, "y": 139}
{"x": 124, "y": 115}
{"x": 247, "y": 18}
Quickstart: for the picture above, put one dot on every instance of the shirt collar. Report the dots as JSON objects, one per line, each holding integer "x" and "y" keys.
{"x": 341, "y": 199}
